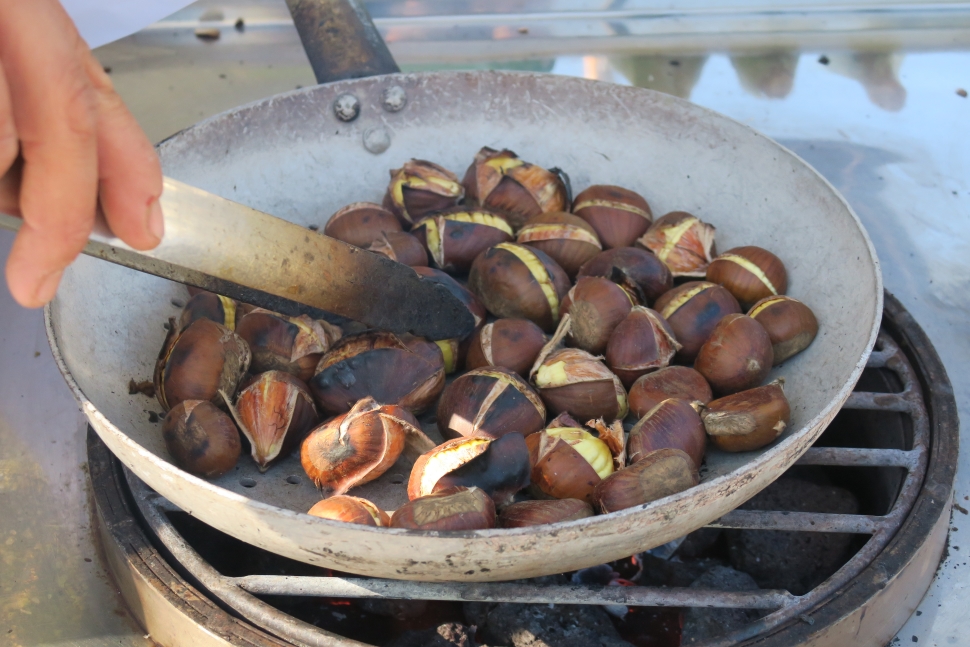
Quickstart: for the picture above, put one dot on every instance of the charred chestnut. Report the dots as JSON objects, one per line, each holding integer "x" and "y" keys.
{"x": 456, "y": 508}
{"x": 567, "y": 239}
{"x": 670, "y": 382}
{"x": 618, "y": 215}
{"x": 682, "y": 241}
{"x": 419, "y": 189}
{"x": 510, "y": 343}
{"x": 489, "y": 402}
{"x": 537, "y": 513}
{"x": 655, "y": 476}
{"x": 748, "y": 420}
{"x": 737, "y": 355}
{"x": 749, "y": 273}
{"x": 291, "y": 344}
{"x": 456, "y": 237}
{"x": 671, "y": 424}
{"x": 401, "y": 247}
{"x": 638, "y": 270}
{"x": 641, "y": 343}
{"x": 595, "y": 306}
{"x": 791, "y": 325}
{"x": 519, "y": 282}
{"x": 350, "y": 509}
{"x": 199, "y": 362}
{"x": 361, "y": 223}
{"x": 403, "y": 370}
{"x": 500, "y": 181}
{"x": 693, "y": 310}
{"x": 201, "y": 438}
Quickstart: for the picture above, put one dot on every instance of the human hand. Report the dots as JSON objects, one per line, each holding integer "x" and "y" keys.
{"x": 78, "y": 143}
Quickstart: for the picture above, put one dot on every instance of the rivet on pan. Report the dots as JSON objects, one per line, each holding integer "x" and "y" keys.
{"x": 394, "y": 98}
{"x": 346, "y": 107}
{"x": 377, "y": 140}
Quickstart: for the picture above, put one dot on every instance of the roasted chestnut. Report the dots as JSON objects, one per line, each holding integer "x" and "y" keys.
{"x": 567, "y": 239}
{"x": 618, "y": 215}
{"x": 456, "y": 237}
{"x": 656, "y": 475}
{"x": 357, "y": 447}
{"x": 574, "y": 381}
{"x": 749, "y": 273}
{"x": 638, "y": 270}
{"x": 361, "y": 223}
{"x": 500, "y": 467}
{"x": 350, "y": 509}
{"x": 693, "y": 310}
{"x": 569, "y": 462}
{"x": 455, "y": 508}
{"x": 291, "y": 344}
{"x": 737, "y": 355}
{"x": 198, "y": 363}
{"x": 537, "y": 513}
{"x": 670, "y": 382}
{"x": 489, "y": 402}
{"x": 595, "y": 306}
{"x": 500, "y": 181}
{"x": 201, "y": 438}
{"x": 641, "y": 343}
{"x": 791, "y": 325}
{"x": 748, "y": 420}
{"x": 419, "y": 189}
{"x": 402, "y": 247}
{"x": 519, "y": 282}
{"x": 275, "y": 411}
{"x": 682, "y": 241}
{"x": 510, "y": 343}
{"x": 395, "y": 369}
{"x": 211, "y": 306}
{"x": 673, "y": 423}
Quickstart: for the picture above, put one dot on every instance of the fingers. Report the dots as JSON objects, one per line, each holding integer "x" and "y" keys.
{"x": 130, "y": 175}
{"x": 9, "y": 192}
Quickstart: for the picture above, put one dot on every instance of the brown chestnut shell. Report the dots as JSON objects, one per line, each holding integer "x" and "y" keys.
{"x": 489, "y": 402}
{"x": 791, "y": 325}
{"x": 671, "y": 382}
{"x": 509, "y": 343}
{"x": 682, "y": 241}
{"x": 657, "y": 475}
{"x": 737, "y": 355}
{"x": 748, "y": 420}
{"x": 456, "y": 508}
{"x": 618, "y": 215}
{"x": 673, "y": 424}
{"x": 420, "y": 188}
{"x": 291, "y": 344}
{"x": 643, "y": 342}
{"x": 211, "y": 306}
{"x": 562, "y": 472}
{"x": 401, "y": 247}
{"x": 454, "y": 238}
{"x": 638, "y": 270}
{"x": 580, "y": 384}
{"x": 693, "y": 310}
{"x": 350, "y": 509}
{"x": 201, "y": 438}
{"x": 537, "y": 513}
{"x": 567, "y": 239}
{"x": 361, "y": 223}
{"x": 596, "y": 307}
{"x": 749, "y": 273}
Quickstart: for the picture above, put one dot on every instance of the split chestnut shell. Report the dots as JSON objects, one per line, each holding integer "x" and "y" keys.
{"x": 641, "y": 343}
{"x": 456, "y": 237}
{"x": 569, "y": 463}
{"x": 214, "y": 307}
{"x": 456, "y": 508}
{"x": 682, "y": 241}
{"x": 401, "y": 247}
{"x": 421, "y": 188}
{"x": 291, "y": 344}
{"x": 509, "y": 343}
{"x": 489, "y": 402}
{"x": 671, "y": 424}
{"x": 596, "y": 306}
{"x": 567, "y": 239}
{"x": 671, "y": 382}
{"x": 636, "y": 269}
{"x": 618, "y": 215}
{"x": 749, "y": 273}
{"x": 201, "y": 438}
{"x": 361, "y": 223}
{"x": 350, "y": 509}
{"x": 693, "y": 310}
{"x": 791, "y": 325}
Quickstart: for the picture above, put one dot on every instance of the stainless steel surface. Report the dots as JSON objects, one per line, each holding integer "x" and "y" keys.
{"x": 898, "y": 167}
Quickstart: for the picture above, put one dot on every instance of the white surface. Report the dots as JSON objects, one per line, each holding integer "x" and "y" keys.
{"x": 104, "y": 21}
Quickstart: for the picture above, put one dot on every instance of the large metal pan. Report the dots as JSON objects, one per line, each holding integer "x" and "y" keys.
{"x": 290, "y": 156}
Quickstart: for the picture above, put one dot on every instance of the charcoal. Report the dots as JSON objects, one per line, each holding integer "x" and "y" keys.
{"x": 451, "y": 634}
{"x": 701, "y": 623}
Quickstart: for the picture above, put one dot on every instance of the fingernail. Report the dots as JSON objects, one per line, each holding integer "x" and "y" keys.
{"x": 47, "y": 287}
{"x": 156, "y": 221}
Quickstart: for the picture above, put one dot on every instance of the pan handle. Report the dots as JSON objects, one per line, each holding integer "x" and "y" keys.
{"x": 340, "y": 39}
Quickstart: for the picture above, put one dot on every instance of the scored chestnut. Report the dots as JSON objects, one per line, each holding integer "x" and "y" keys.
{"x": 509, "y": 343}
{"x": 537, "y": 513}
{"x": 350, "y": 509}
{"x": 641, "y": 343}
{"x": 693, "y": 310}
{"x": 500, "y": 467}
{"x": 455, "y": 508}
{"x": 569, "y": 463}
{"x": 201, "y": 438}
{"x": 396, "y": 369}
{"x": 749, "y": 420}
{"x": 456, "y": 237}
{"x": 291, "y": 344}
{"x": 737, "y": 355}
{"x": 749, "y": 273}
{"x": 670, "y": 382}
{"x": 673, "y": 423}
{"x": 567, "y": 239}
{"x": 596, "y": 306}
{"x": 275, "y": 411}
{"x": 618, "y": 215}
{"x": 361, "y": 223}
{"x": 500, "y": 181}
{"x": 658, "y": 474}
{"x": 636, "y": 269}
{"x": 519, "y": 282}
{"x": 791, "y": 325}
{"x": 357, "y": 447}
{"x": 682, "y": 241}
{"x": 199, "y": 362}
{"x": 419, "y": 189}
{"x": 211, "y": 306}
{"x": 401, "y": 247}
{"x": 489, "y": 402}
